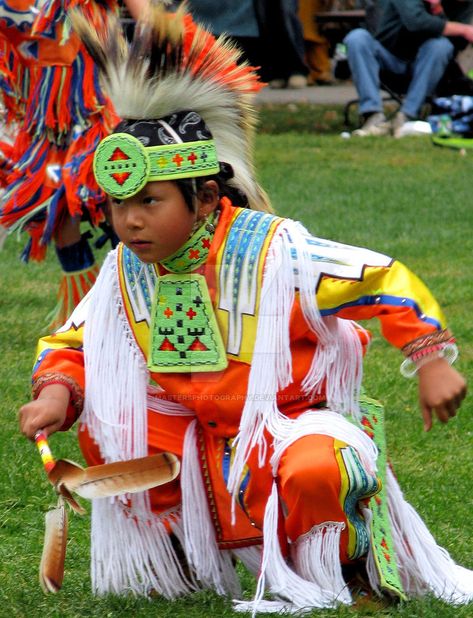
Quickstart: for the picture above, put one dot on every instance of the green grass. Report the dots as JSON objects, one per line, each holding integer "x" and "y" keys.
{"x": 404, "y": 198}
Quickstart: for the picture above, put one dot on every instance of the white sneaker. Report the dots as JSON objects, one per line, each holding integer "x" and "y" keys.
{"x": 277, "y": 84}
{"x": 297, "y": 81}
{"x": 403, "y": 126}
{"x": 376, "y": 124}
{"x": 397, "y": 124}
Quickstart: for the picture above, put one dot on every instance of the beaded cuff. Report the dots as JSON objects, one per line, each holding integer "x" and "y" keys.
{"x": 426, "y": 341}
{"x": 77, "y": 393}
{"x": 440, "y": 344}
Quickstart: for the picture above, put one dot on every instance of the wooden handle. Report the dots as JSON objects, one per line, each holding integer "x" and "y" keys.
{"x": 44, "y": 450}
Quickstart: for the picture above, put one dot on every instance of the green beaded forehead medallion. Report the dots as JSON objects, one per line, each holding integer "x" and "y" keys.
{"x": 123, "y": 165}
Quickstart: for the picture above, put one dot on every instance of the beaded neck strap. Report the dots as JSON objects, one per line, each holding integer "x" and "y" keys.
{"x": 195, "y": 250}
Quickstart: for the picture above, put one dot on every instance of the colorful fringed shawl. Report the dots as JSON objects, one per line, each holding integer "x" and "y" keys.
{"x": 52, "y": 90}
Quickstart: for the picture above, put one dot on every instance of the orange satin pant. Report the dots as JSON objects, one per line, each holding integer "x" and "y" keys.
{"x": 309, "y": 479}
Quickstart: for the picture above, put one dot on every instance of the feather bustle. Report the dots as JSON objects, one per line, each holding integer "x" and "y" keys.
{"x": 175, "y": 65}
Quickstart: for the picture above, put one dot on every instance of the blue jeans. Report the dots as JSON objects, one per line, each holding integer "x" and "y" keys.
{"x": 366, "y": 57}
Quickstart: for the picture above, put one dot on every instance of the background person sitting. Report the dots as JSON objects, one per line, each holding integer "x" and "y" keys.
{"x": 414, "y": 38}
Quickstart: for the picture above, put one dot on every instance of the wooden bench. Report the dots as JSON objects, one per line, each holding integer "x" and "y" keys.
{"x": 335, "y": 25}
{"x": 354, "y": 17}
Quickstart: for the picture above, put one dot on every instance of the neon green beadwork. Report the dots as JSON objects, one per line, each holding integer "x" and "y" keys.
{"x": 123, "y": 165}
{"x": 184, "y": 333}
{"x": 194, "y": 251}
{"x": 381, "y": 534}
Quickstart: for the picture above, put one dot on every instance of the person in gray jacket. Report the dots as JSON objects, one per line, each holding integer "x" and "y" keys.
{"x": 413, "y": 38}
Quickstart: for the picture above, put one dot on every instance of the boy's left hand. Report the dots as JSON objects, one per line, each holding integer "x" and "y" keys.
{"x": 441, "y": 390}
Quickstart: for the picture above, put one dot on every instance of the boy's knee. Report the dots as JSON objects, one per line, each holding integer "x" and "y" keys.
{"x": 312, "y": 481}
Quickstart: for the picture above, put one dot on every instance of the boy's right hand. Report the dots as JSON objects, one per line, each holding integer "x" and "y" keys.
{"x": 48, "y": 412}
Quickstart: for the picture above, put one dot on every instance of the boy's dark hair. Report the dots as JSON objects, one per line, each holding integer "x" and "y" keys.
{"x": 191, "y": 187}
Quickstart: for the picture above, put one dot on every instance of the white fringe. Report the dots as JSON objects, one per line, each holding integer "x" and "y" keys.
{"x": 326, "y": 422}
{"x": 115, "y": 416}
{"x": 166, "y": 406}
{"x": 138, "y": 557}
{"x": 213, "y": 567}
{"x": 340, "y": 363}
{"x": 316, "y": 558}
{"x": 371, "y": 568}
{"x": 269, "y": 607}
{"x": 285, "y": 583}
{"x": 337, "y": 361}
{"x": 271, "y": 367}
{"x": 424, "y": 566}
{"x": 251, "y": 558}
{"x": 131, "y": 549}
{"x": 338, "y": 355}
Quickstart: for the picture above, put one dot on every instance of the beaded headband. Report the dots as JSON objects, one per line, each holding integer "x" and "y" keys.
{"x": 123, "y": 165}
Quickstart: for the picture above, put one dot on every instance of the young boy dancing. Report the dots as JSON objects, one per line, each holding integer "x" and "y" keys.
{"x": 224, "y": 334}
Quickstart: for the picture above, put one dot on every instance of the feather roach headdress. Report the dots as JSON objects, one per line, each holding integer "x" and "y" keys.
{"x": 176, "y": 74}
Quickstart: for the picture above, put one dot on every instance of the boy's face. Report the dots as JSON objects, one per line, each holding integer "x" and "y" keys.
{"x": 155, "y": 222}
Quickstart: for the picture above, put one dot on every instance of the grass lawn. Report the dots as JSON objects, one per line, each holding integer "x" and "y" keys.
{"x": 404, "y": 198}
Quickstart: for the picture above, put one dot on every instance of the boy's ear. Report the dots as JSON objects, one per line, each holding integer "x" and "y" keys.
{"x": 208, "y": 198}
